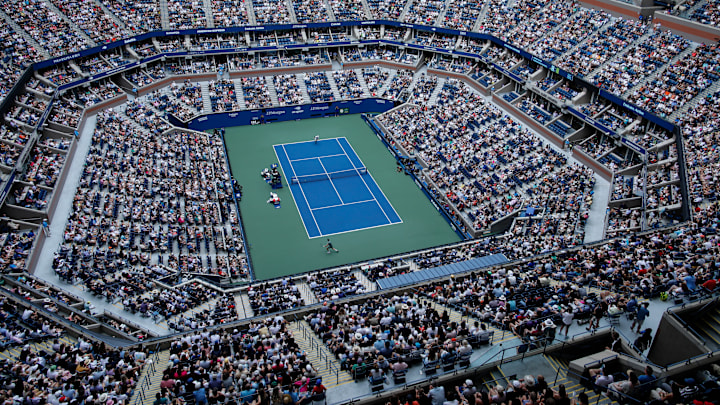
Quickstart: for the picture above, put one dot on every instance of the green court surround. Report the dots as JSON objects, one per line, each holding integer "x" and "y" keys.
{"x": 278, "y": 243}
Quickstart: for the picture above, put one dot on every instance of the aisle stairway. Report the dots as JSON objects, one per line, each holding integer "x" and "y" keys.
{"x": 154, "y": 373}
{"x": 205, "y": 90}
{"x": 324, "y": 362}
{"x": 492, "y": 379}
{"x": 270, "y": 83}
{"x": 242, "y": 304}
{"x": 303, "y": 88}
{"x": 13, "y": 353}
{"x": 366, "y": 282}
{"x": 707, "y": 324}
{"x": 572, "y": 385}
{"x": 306, "y": 293}
{"x": 333, "y": 85}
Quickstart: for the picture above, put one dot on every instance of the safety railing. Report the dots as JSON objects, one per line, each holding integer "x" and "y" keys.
{"x": 319, "y": 349}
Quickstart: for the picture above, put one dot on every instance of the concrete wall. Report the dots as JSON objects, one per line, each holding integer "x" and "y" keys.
{"x": 673, "y": 343}
{"x": 689, "y": 29}
{"x": 620, "y": 9}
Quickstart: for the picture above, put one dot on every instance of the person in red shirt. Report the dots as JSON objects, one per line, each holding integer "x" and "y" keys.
{"x": 710, "y": 284}
{"x": 319, "y": 388}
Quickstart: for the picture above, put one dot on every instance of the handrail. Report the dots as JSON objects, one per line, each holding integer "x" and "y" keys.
{"x": 688, "y": 327}
{"x": 601, "y": 361}
{"x": 699, "y": 312}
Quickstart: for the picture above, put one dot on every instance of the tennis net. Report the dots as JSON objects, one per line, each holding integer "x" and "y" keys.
{"x": 328, "y": 176}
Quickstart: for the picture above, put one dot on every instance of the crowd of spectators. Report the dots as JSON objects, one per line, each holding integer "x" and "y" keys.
{"x": 271, "y": 12}
{"x": 318, "y": 87}
{"x": 483, "y": 162}
{"x": 93, "y": 20}
{"x": 424, "y": 12}
{"x": 269, "y": 297}
{"x": 138, "y": 16}
{"x": 229, "y": 13}
{"x": 333, "y": 285}
{"x": 400, "y": 81}
{"x": 348, "y": 84}
{"x": 310, "y": 11}
{"x": 222, "y": 95}
{"x": 386, "y": 9}
{"x": 605, "y": 45}
{"x": 186, "y": 14}
{"x": 375, "y": 79}
{"x": 543, "y": 22}
{"x": 167, "y": 303}
{"x": 50, "y": 30}
{"x": 347, "y": 10}
{"x": 626, "y": 71}
{"x": 585, "y": 23}
{"x": 462, "y": 14}
{"x": 707, "y": 12}
{"x": 187, "y": 101}
{"x": 423, "y": 88}
{"x": 680, "y": 82}
{"x": 62, "y": 369}
{"x": 16, "y": 243}
{"x": 256, "y": 92}
{"x": 259, "y": 363}
{"x": 457, "y": 65}
{"x": 287, "y": 89}
{"x": 138, "y": 207}
{"x": 17, "y": 55}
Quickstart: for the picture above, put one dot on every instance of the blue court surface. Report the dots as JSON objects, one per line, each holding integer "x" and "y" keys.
{"x": 332, "y": 189}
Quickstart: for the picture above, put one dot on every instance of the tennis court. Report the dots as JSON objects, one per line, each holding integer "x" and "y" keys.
{"x": 332, "y": 189}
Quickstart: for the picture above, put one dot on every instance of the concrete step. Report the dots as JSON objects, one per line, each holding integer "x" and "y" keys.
{"x": 366, "y": 8}
{"x": 572, "y": 386}
{"x": 153, "y": 372}
{"x": 303, "y": 88}
{"x": 328, "y": 7}
{"x": 361, "y": 79}
{"x": 441, "y": 16}
{"x": 271, "y": 88}
{"x": 164, "y": 15}
{"x": 405, "y": 10}
{"x": 242, "y": 304}
{"x": 366, "y": 282}
{"x": 438, "y": 88}
{"x": 306, "y": 293}
{"x": 324, "y": 362}
{"x": 291, "y": 11}
{"x": 209, "y": 13}
{"x": 333, "y": 86}
{"x": 207, "y": 105}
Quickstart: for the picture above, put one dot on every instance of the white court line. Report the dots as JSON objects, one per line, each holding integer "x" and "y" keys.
{"x": 331, "y": 182}
{"x": 308, "y": 141}
{"x": 317, "y": 157}
{"x": 341, "y": 205}
{"x": 368, "y": 187}
{"x": 292, "y": 170}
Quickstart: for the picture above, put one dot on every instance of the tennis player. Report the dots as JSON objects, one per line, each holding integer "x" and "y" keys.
{"x": 317, "y": 137}
{"x": 329, "y": 247}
